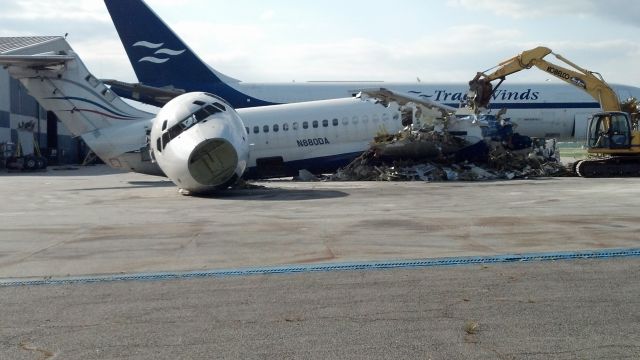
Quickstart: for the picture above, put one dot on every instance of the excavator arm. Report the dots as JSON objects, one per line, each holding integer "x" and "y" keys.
{"x": 481, "y": 89}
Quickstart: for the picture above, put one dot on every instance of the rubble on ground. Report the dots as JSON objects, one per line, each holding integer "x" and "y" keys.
{"x": 434, "y": 156}
{"x": 441, "y": 143}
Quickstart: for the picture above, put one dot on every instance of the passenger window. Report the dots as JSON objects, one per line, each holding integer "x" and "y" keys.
{"x": 365, "y": 119}
{"x": 335, "y": 122}
{"x": 385, "y": 117}
{"x": 265, "y": 129}
{"x": 256, "y": 129}
{"x": 315, "y": 124}
{"x": 275, "y": 128}
{"x": 345, "y": 121}
{"x": 325, "y": 123}
{"x": 355, "y": 120}
{"x": 375, "y": 119}
{"x": 285, "y": 127}
{"x": 295, "y": 126}
{"x": 305, "y": 125}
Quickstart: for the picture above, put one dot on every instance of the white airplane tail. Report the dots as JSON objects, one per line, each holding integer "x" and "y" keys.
{"x": 56, "y": 77}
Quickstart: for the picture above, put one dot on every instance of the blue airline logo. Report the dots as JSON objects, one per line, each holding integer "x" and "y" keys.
{"x": 443, "y": 95}
{"x": 163, "y": 51}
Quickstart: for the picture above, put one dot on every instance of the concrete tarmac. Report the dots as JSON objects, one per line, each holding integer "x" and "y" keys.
{"x": 96, "y": 221}
{"x": 581, "y": 309}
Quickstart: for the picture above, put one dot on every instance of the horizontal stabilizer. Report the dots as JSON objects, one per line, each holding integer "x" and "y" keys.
{"x": 35, "y": 60}
{"x": 140, "y": 92}
{"x": 22, "y": 44}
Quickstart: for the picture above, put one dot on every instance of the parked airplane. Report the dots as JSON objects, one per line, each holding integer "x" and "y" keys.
{"x": 164, "y": 64}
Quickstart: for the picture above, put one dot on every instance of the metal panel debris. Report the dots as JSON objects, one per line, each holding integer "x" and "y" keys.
{"x": 440, "y": 145}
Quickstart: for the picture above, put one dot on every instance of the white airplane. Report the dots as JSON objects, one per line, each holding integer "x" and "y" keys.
{"x": 166, "y": 66}
{"x": 198, "y": 139}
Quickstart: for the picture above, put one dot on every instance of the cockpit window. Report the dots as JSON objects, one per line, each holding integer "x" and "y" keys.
{"x": 200, "y": 115}
{"x": 165, "y": 139}
{"x": 198, "y": 102}
{"x": 174, "y": 131}
{"x": 188, "y": 122}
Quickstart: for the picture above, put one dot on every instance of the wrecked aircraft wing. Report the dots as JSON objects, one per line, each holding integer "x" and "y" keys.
{"x": 386, "y": 97}
{"x": 147, "y": 94}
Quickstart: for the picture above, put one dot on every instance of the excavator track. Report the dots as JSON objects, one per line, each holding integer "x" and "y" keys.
{"x": 621, "y": 166}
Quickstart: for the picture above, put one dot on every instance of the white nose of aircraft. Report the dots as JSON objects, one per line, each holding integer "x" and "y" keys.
{"x": 200, "y": 142}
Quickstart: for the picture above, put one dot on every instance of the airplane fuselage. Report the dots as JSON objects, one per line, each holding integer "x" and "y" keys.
{"x": 319, "y": 136}
{"x": 538, "y": 109}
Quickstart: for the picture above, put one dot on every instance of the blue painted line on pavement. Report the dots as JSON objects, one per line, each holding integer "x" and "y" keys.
{"x": 326, "y": 267}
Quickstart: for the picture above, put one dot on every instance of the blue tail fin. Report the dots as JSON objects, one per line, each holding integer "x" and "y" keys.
{"x": 158, "y": 56}
{"x": 161, "y": 59}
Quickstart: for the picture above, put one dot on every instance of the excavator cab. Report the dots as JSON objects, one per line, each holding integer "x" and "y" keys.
{"x": 610, "y": 130}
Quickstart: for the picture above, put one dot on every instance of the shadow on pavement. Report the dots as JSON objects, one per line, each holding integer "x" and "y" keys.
{"x": 275, "y": 194}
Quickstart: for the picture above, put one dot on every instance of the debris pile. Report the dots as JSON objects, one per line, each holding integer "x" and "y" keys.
{"x": 442, "y": 143}
{"x": 437, "y": 157}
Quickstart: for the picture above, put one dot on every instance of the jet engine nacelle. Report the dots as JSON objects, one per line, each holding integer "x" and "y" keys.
{"x": 200, "y": 142}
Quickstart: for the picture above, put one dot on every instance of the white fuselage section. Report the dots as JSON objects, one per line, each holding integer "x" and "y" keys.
{"x": 553, "y": 110}
{"x": 315, "y": 130}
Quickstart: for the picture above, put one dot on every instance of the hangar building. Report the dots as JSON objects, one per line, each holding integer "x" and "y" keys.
{"x": 54, "y": 140}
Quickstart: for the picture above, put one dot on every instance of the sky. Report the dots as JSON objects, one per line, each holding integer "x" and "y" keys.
{"x": 402, "y": 40}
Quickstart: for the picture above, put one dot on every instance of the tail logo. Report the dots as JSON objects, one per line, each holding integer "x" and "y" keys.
{"x": 162, "y": 51}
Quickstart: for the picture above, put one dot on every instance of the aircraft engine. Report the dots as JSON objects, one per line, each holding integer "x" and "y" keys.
{"x": 200, "y": 142}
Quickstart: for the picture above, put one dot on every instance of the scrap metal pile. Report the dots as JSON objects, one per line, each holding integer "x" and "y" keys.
{"x": 463, "y": 148}
{"x": 499, "y": 162}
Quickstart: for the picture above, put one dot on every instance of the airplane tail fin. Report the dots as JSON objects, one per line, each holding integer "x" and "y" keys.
{"x": 158, "y": 56}
{"x": 56, "y": 77}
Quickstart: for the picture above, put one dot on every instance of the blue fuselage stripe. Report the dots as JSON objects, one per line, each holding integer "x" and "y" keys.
{"x": 316, "y": 165}
{"x": 550, "y": 105}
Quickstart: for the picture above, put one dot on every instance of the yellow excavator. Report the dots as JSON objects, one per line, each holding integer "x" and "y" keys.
{"x": 613, "y": 137}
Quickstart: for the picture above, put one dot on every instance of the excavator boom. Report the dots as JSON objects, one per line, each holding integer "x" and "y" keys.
{"x": 481, "y": 88}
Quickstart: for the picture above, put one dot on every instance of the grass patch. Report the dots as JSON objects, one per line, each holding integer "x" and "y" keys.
{"x": 572, "y": 150}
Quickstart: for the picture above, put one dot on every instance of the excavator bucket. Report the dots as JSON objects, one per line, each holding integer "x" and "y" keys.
{"x": 480, "y": 91}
